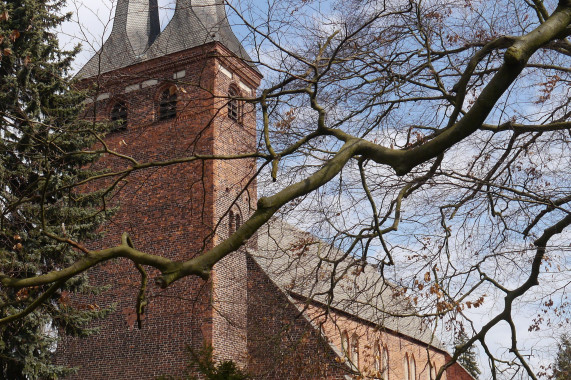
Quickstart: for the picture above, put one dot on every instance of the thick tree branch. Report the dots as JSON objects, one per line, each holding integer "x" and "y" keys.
{"x": 90, "y": 260}
{"x": 516, "y": 127}
{"x": 34, "y": 305}
{"x": 515, "y": 59}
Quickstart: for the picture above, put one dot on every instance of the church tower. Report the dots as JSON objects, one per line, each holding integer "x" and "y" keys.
{"x": 174, "y": 99}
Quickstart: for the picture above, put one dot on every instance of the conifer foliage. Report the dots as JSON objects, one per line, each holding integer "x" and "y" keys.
{"x": 469, "y": 359}
{"x": 40, "y": 135}
{"x": 201, "y": 365}
{"x": 562, "y": 370}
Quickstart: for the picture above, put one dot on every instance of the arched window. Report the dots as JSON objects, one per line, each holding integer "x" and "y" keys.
{"x": 385, "y": 364}
{"x": 345, "y": 343}
{"x": 355, "y": 350}
{"x": 231, "y": 223}
{"x": 409, "y": 367}
{"x": 321, "y": 328}
{"x": 234, "y": 221}
{"x": 234, "y": 105}
{"x": 432, "y": 372}
{"x": 377, "y": 360}
{"x": 119, "y": 116}
{"x": 167, "y": 103}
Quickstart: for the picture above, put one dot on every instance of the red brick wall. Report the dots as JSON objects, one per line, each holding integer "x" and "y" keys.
{"x": 169, "y": 211}
{"x": 457, "y": 372}
{"x": 176, "y": 211}
{"x": 282, "y": 343}
{"x": 235, "y": 196}
{"x": 335, "y": 323}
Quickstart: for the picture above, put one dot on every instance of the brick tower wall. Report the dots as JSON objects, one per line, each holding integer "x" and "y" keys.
{"x": 235, "y": 200}
{"x": 169, "y": 211}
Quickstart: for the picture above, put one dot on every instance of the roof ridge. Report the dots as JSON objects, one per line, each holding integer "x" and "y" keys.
{"x": 369, "y": 296}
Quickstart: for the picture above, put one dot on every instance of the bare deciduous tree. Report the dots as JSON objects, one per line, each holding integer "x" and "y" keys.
{"x": 430, "y": 139}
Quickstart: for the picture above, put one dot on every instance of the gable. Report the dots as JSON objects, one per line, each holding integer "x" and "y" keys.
{"x": 302, "y": 265}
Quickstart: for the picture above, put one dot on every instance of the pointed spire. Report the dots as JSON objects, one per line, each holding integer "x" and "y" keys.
{"x": 141, "y": 23}
{"x": 195, "y": 23}
{"x": 136, "y": 35}
{"x": 155, "y": 26}
{"x": 211, "y": 14}
{"x": 135, "y": 27}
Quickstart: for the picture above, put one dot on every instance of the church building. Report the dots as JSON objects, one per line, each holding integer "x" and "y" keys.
{"x": 178, "y": 98}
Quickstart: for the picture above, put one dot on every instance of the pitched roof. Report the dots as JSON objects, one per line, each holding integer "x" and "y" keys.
{"x": 300, "y": 264}
{"x": 136, "y": 35}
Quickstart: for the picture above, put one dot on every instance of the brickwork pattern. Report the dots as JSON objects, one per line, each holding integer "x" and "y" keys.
{"x": 456, "y": 371}
{"x": 177, "y": 211}
{"x": 335, "y": 323}
{"x": 169, "y": 211}
{"x": 234, "y": 189}
{"x": 282, "y": 343}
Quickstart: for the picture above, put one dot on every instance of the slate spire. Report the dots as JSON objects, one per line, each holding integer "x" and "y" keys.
{"x": 135, "y": 27}
{"x": 136, "y": 35}
{"x": 138, "y": 21}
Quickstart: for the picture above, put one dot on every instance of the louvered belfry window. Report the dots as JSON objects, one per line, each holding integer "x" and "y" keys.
{"x": 167, "y": 103}
{"x": 234, "y": 107}
{"x": 119, "y": 116}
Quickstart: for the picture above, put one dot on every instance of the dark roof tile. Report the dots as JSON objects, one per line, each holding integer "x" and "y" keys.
{"x": 300, "y": 264}
{"x": 135, "y": 38}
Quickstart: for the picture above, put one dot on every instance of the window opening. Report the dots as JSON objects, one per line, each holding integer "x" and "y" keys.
{"x": 345, "y": 343}
{"x": 385, "y": 364}
{"x": 167, "y": 104}
{"x": 377, "y": 361}
{"x": 119, "y": 116}
{"x": 355, "y": 351}
{"x": 431, "y": 371}
{"x": 234, "y": 107}
{"x": 231, "y": 225}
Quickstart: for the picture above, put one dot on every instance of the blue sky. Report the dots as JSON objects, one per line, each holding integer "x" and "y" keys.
{"x": 92, "y": 22}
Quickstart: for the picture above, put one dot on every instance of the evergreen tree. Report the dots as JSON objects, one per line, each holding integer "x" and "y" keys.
{"x": 562, "y": 370}
{"x": 203, "y": 364}
{"x": 41, "y": 133}
{"x": 469, "y": 359}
